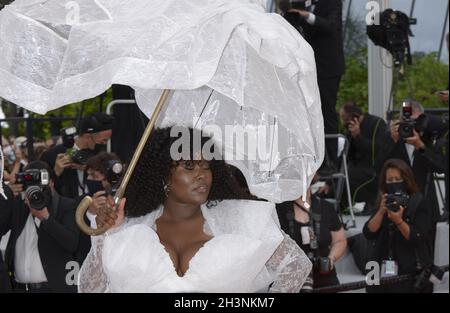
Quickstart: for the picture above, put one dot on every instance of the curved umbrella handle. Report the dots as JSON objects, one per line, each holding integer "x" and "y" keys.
{"x": 84, "y": 204}
{"x": 79, "y": 218}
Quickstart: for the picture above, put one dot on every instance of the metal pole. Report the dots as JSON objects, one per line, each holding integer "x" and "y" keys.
{"x": 443, "y": 34}
{"x": 14, "y": 125}
{"x": 30, "y": 139}
{"x": 346, "y": 20}
{"x": 380, "y": 76}
{"x": 84, "y": 204}
{"x": 413, "y": 5}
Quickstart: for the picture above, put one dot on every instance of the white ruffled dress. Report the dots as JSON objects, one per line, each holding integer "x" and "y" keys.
{"x": 248, "y": 253}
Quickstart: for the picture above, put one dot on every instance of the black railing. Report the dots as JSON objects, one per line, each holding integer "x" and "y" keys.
{"x": 363, "y": 284}
{"x": 29, "y": 122}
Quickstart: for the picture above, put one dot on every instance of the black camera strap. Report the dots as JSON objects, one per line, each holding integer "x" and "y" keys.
{"x": 391, "y": 230}
{"x": 314, "y": 222}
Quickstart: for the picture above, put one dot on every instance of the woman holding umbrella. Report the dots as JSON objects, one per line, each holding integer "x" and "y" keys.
{"x": 179, "y": 231}
{"x": 225, "y": 62}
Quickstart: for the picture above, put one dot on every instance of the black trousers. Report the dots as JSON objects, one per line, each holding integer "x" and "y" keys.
{"x": 5, "y": 284}
{"x": 329, "y": 88}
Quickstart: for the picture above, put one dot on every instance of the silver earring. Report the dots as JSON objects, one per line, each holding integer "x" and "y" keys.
{"x": 166, "y": 189}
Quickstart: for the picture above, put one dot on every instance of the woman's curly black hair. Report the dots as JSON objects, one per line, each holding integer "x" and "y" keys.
{"x": 145, "y": 190}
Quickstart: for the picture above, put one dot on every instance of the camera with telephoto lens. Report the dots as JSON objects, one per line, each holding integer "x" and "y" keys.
{"x": 35, "y": 183}
{"x": 432, "y": 125}
{"x": 395, "y": 200}
{"x": 77, "y": 156}
{"x": 408, "y": 124}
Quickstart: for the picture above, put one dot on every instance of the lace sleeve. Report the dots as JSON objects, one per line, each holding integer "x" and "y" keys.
{"x": 92, "y": 278}
{"x": 290, "y": 266}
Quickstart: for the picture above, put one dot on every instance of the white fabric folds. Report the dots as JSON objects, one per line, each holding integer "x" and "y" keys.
{"x": 247, "y": 253}
{"x": 228, "y": 61}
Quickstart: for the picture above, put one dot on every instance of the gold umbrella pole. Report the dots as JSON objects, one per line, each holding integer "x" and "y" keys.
{"x": 84, "y": 204}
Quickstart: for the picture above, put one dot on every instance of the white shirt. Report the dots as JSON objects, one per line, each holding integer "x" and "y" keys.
{"x": 27, "y": 262}
{"x": 410, "y": 150}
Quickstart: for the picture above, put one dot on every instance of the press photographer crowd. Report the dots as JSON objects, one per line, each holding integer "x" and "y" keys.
{"x": 394, "y": 165}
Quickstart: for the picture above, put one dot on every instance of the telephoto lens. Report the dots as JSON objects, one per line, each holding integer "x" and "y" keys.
{"x": 36, "y": 197}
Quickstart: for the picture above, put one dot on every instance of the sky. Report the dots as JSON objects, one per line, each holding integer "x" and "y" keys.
{"x": 430, "y": 16}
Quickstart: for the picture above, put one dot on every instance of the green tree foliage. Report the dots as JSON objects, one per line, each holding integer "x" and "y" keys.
{"x": 426, "y": 76}
{"x": 4, "y": 2}
{"x": 354, "y": 83}
{"x": 42, "y": 130}
{"x": 420, "y": 81}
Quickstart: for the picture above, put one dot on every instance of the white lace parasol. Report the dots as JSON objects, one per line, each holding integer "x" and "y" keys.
{"x": 228, "y": 61}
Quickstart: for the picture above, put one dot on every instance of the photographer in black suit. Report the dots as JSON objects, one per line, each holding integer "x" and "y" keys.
{"x": 94, "y": 132}
{"x": 44, "y": 235}
{"x": 365, "y": 133}
{"x": 320, "y": 22}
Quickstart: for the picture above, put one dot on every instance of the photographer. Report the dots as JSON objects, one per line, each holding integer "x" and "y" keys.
{"x": 69, "y": 162}
{"x": 400, "y": 228}
{"x": 5, "y": 203}
{"x": 103, "y": 174}
{"x": 365, "y": 133}
{"x": 17, "y": 157}
{"x": 319, "y": 232}
{"x": 320, "y": 23}
{"x": 44, "y": 235}
{"x": 413, "y": 140}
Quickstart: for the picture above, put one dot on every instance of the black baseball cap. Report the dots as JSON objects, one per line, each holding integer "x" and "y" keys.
{"x": 95, "y": 123}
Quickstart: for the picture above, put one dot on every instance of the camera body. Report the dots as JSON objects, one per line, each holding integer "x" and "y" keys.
{"x": 114, "y": 171}
{"x": 34, "y": 182}
{"x": 77, "y": 156}
{"x": 408, "y": 124}
{"x": 432, "y": 125}
{"x": 395, "y": 200}
{"x": 82, "y": 156}
{"x": 406, "y": 129}
{"x": 68, "y": 136}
